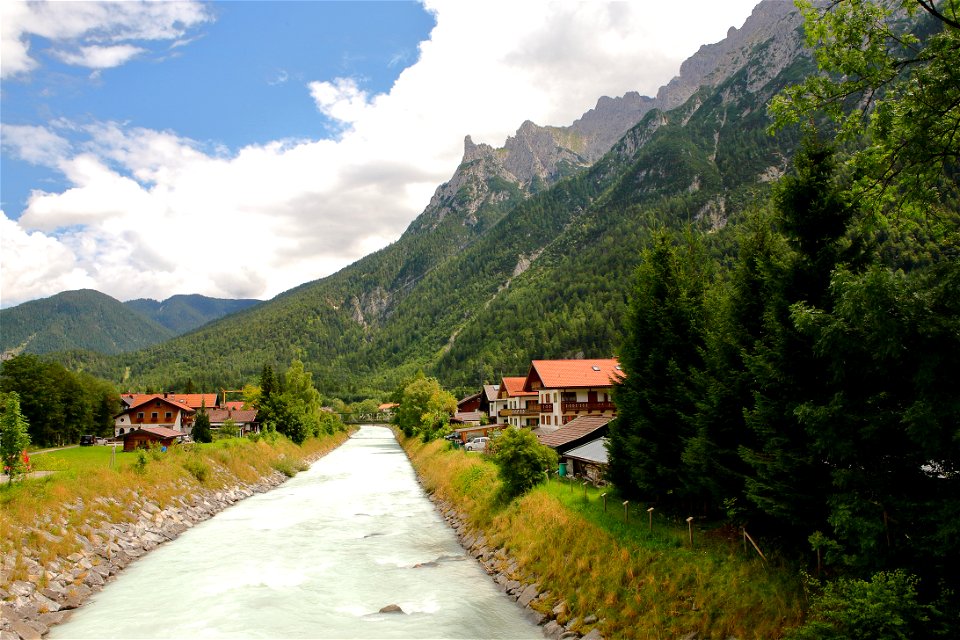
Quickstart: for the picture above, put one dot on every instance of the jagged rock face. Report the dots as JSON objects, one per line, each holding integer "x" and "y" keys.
{"x": 469, "y": 188}
{"x": 772, "y": 21}
{"x": 536, "y": 153}
{"x": 602, "y": 126}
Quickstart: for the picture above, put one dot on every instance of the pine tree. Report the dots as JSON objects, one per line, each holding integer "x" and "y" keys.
{"x": 201, "y": 431}
{"x": 655, "y": 401}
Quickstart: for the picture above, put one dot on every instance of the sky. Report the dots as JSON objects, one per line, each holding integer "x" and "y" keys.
{"x": 239, "y": 149}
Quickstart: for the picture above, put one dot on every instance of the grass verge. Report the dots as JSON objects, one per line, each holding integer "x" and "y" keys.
{"x": 640, "y": 581}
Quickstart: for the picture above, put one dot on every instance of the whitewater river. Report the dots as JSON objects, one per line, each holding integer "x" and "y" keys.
{"x": 317, "y": 557}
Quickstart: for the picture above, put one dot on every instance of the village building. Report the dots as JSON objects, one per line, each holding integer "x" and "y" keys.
{"x": 489, "y": 402}
{"x": 244, "y": 420}
{"x": 575, "y": 433}
{"x": 521, "y": 408}
{"x": 145, "y": 436}
{"x": 470, "y": 403}
{"x": 154, "y": 411}
{"x": 192, "y": 400}
{"x": 566, "y": 389}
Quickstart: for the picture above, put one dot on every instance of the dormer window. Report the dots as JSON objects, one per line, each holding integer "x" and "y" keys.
{"x": 596, "y": 368}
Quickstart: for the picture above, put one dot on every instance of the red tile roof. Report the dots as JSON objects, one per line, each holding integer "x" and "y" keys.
{"x": 574, "y": 430}
{"x": 513, "y": 387}
{"x": 571, "y": 374}
{"x": 236, "y": 405}
{"x": 142, "y": 399}
{"x": 192, "y": 400}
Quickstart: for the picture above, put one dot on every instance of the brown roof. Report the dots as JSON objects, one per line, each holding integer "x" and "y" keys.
{"x": 574, "y": 430}
{"x": 161, "y": 432}
{"x": 490, "y": 391}
{"x": 219, "y": 416}
{"x": 387, "y": 406}
{"x": 569, "y": 374}
{"x": 513, "y": 387}
{"x": 143, "y": 399}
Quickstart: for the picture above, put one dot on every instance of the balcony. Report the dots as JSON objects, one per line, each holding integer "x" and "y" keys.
{"x": 586, "y": 407}
{"x": 546, "y": 407}
{"x": 532, "y": 411}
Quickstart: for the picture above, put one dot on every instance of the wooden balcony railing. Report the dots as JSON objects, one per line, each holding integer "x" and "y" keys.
{"x": 587, "y": 406}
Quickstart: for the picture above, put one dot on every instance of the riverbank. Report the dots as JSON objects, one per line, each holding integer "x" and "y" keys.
{"x": 65, "y": 537}
{"x": 554, "y": 551}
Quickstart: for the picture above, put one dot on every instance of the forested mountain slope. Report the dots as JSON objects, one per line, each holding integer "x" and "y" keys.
{"x": 83, "y": 319}
{"x": 184, "y": 313}
{"x": 528, "y": 251}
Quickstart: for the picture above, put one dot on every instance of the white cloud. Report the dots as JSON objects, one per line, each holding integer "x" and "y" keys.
{"x": 151, "y": 213}
{"x": 91, "y": 34}
{"x": 100, "y": 57}
{"x": 341, "y": 99}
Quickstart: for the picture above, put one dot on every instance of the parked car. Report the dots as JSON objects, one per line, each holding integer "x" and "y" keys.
{"x": 87, "y": 441}
{"x": 477, "y": 444}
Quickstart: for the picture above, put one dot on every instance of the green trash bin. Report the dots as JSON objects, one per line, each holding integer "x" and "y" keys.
{"x": 562, "y": 471}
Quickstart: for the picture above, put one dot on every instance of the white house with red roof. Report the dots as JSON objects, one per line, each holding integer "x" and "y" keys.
{"x": 521, "y": 406}
{"x": 567, "y": 389}
{"x": 154, "y": 410}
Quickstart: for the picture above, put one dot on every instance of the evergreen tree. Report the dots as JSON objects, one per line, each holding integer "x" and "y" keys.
{"x": 655, "y": 400}
{"x": 201, "y": 431}
{"x": 788, "y": 480}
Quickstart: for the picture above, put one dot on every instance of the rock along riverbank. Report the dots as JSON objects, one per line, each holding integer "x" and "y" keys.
{"x": 51, "y": 590}
{"x": 514, "y": 581}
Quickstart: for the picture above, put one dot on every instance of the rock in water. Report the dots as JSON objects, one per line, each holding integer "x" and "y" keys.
{"x": 391, "y": 608}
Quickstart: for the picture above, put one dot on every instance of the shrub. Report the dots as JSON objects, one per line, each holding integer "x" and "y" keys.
{"x": 140, "y": 464}
{"x": 522, "y": 460}
{"x": 885, "y": 607}
{"x": 197, "y": 468}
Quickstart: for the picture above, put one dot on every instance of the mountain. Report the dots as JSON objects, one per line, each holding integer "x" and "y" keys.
{"x": 528, "y": 250}
{"x": 83, "y": 319}
{"x": 183, "y": 313}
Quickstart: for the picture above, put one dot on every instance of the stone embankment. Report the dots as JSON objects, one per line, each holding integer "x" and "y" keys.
{"x": 47, "y": 592}
{"x": 555, "y": 621}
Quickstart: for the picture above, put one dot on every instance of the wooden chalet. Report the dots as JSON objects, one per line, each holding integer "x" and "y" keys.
{"x": 143, "y": 437}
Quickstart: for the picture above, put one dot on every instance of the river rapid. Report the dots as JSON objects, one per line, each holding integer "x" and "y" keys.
{"x": 317, "y": 557}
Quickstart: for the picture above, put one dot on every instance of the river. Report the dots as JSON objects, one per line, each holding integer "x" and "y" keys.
{"x": 317, "y": 557}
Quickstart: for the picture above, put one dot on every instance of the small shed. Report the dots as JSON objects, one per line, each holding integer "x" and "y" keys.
{"x": 589, "y": 461}
{"x": 145, "y": 436}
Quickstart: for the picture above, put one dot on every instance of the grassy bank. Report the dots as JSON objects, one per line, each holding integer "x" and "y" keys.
{"x": 641, "y": 582}
{"x": 41, "y": 517}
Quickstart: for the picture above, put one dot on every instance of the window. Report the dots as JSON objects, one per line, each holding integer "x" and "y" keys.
{"x": 168, "y": 416}
{"x": 140, "y": 416}
{"x": 153, "y": 416}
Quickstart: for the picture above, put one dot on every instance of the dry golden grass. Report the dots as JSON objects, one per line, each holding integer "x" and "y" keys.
{"x": 641, "y": 584}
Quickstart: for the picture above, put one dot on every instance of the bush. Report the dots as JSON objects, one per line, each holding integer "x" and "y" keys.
{"x": 882, "y": 608}
{"x": 521, "y": 459}
{"x": 140, "y": 464}
{"x": 197, "y": 468}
